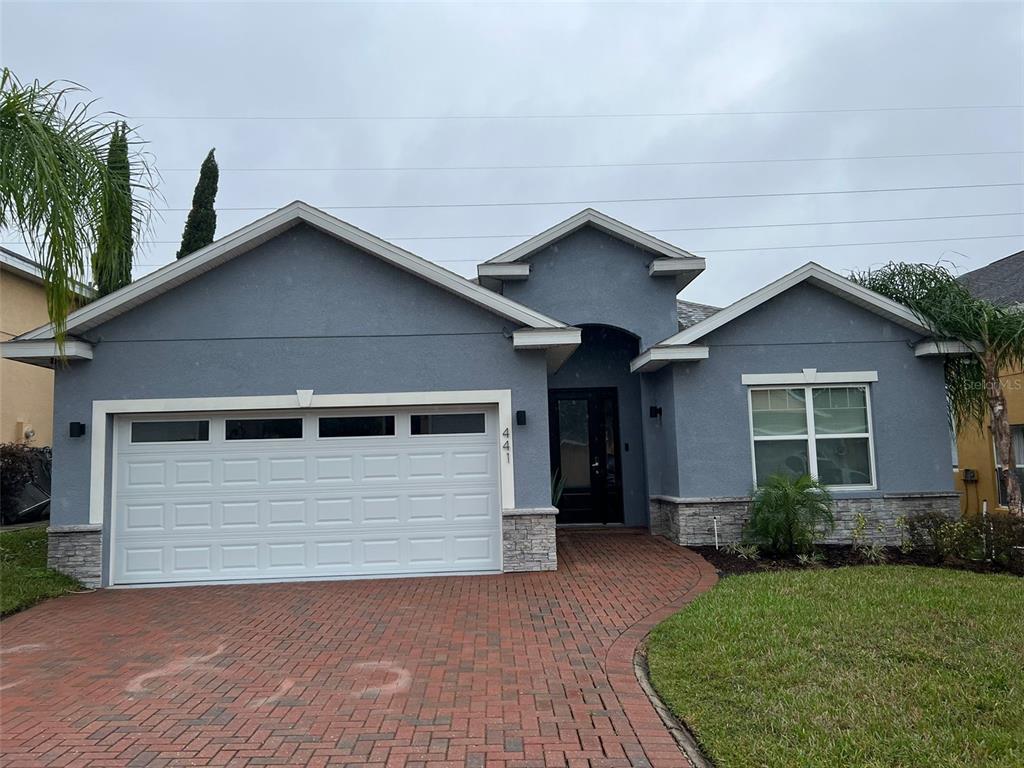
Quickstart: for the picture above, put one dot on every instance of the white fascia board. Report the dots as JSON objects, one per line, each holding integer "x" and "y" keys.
{"x": 43, "y": 353}
{"x": 517, "y": 271}
{"x": 658, "y": 357}
{"x": 809, "y": 376}
{"x": 263, "y": 229}
{"x": 817, "y": 275}
{"x": 531, "y": 338}
{"x": 558, "y": 345}
{"x": 940, "y": 348}
{"x": 672, "y": 267}
{"x": 596, "y": 219}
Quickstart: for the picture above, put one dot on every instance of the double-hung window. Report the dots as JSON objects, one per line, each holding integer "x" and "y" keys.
{"x": 823, "y": 431}
{"x": 1017, "y": 435}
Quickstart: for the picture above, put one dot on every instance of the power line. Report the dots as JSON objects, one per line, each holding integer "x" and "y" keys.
{"x": 590, "y": 116}
{"x": 679, "y": 229}
{"x": 743, "y": 250}
{"x": 516, "y": 204}
{"x": 569, "y": 166}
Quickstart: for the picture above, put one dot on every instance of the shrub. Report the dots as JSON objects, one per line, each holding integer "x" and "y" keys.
{"x": 787, "y": 513}
{"x": 16, "y": 471}
{"x": 743, "y": 551}
{"x": 1000, "y": 538}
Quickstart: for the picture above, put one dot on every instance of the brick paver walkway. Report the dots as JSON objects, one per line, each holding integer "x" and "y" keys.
{"x": 512, "y": 670}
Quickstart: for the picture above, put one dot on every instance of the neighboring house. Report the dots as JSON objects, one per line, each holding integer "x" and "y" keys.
{"x": 26, "y": 391}
{"x": 301, "y": 399}
{"x": 1001, "y": 282}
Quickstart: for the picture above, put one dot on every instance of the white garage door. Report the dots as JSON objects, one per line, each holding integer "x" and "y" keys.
{"x": 240, "y": 496}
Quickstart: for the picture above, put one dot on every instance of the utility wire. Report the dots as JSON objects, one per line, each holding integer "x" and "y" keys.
{"x": 590, "y": 116}
{"x": 659, "y": 164}
{"x": 519, "y": 203}
{"x": 742, "y": 250}
{"x": 676, "y": 229}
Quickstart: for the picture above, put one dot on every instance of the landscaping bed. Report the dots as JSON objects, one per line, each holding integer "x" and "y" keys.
{"x": 729, "y": 563}
{"x": 868, "y": 666}
{"x": 24, "y": 577}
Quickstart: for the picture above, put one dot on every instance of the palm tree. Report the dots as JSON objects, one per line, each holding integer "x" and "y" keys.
{"x": 992, "y": 335}
{"x": 56, "y": 187}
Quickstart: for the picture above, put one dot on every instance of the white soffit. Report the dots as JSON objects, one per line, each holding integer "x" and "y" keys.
{"x": 658, "y": 357}
{"x": 43, "y": 353}
{"x": 939, "y": 348}
{"x": 262, "y": 230}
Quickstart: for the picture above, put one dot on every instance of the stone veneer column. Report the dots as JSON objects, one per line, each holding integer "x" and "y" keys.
{"x": 528, "y": 539}
{"x": 76, "y": 550}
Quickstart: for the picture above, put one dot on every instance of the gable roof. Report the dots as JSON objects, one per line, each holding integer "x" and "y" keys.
{"x": 1001, "y": 282}
{"x": 593, "y": 218}
{"x": 33, "y": 271}
{"x": 260, "y": 231}
{"x": 816, "y": 275}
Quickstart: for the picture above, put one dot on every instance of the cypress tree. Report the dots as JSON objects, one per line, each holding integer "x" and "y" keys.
{"x": 112, "y": 261}
{"x": 202, "y": 219}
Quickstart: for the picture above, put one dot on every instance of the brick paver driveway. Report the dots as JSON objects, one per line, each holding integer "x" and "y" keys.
{"x": 511, "y": 670}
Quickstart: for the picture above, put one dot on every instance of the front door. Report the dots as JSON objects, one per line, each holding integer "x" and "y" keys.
{"x": 585, "y": 460}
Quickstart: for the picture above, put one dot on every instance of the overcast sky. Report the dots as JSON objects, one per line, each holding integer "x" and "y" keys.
{"x": 185, "y": 73}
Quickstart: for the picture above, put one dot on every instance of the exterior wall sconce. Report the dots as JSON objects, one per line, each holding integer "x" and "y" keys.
{"x": 520, "y": 418}
{"x": 76, "y": 429}
{"x": 655, "y": 411}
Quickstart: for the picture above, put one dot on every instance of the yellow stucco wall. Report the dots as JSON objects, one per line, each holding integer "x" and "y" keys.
{"x": 26, "y": 391}
{"x": 976, "y": 450}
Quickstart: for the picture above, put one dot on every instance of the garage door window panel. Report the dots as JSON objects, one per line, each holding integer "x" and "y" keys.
{"x": 263, "y": 429}
{"x": 195, "y": 431}
{"x": 330, "y": 427}
{"x": 448, "y": 424}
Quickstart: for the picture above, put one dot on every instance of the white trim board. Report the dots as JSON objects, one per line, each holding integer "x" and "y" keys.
{"x": 43, "y": 353}
{"x": 101, "y": 409}
{"x": 818, "y": 276}
{"x": 594, "y": 218}
{"x": 940, "y": 348}
{"x": 810, "y": 376}
{"x": 656, "y": 358}
{"x": 262, "y": 230}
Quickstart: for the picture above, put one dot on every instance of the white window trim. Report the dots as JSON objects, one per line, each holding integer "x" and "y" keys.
{"x": 809, "y": 376}
{"x": 811, "y": 436}
{"x": 101, "y": 409}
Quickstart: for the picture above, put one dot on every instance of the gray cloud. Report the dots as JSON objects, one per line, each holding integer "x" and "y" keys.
{"x": 210, "y": 59}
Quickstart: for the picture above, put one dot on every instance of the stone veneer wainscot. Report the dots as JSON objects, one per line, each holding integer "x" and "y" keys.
{"x": 692, "y": 521}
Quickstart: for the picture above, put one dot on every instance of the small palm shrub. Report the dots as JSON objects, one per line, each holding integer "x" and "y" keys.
{"x": 787, "y": 514}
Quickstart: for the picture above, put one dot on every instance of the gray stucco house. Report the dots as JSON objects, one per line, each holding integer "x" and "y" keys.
{"x": 301, "y": 399}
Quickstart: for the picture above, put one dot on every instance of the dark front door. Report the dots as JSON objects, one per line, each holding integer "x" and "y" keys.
{"x": 585, "y": 459}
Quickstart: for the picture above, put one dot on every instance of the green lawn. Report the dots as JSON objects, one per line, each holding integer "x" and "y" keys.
{"x": 24, "y": 577}
{"x": 869, "y": 666}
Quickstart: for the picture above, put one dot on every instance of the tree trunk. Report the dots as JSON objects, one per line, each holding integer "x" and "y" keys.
{"x": 1002, "y": 436}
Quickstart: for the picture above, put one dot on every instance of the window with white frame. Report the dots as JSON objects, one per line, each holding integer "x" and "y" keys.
{"x": 1017, "y": 435}
{"x": 823, "y": 431}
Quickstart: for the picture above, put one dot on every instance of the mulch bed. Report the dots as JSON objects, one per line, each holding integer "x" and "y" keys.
{"x": 834, "y": 556}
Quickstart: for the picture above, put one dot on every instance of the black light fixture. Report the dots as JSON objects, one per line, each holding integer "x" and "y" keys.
{"x": 76, "y": 429}
{"x": 655, "y": 411}
{"x": 521, "y": 418}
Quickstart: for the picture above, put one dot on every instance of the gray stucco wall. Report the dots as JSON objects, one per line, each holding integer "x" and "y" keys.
{"x": 807, "y": 327}
{"x": 659, "y": 434}
{"x": 590, "y": 277}
{"x": 603, "y": 361}
{"x": 302, "y": 311}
